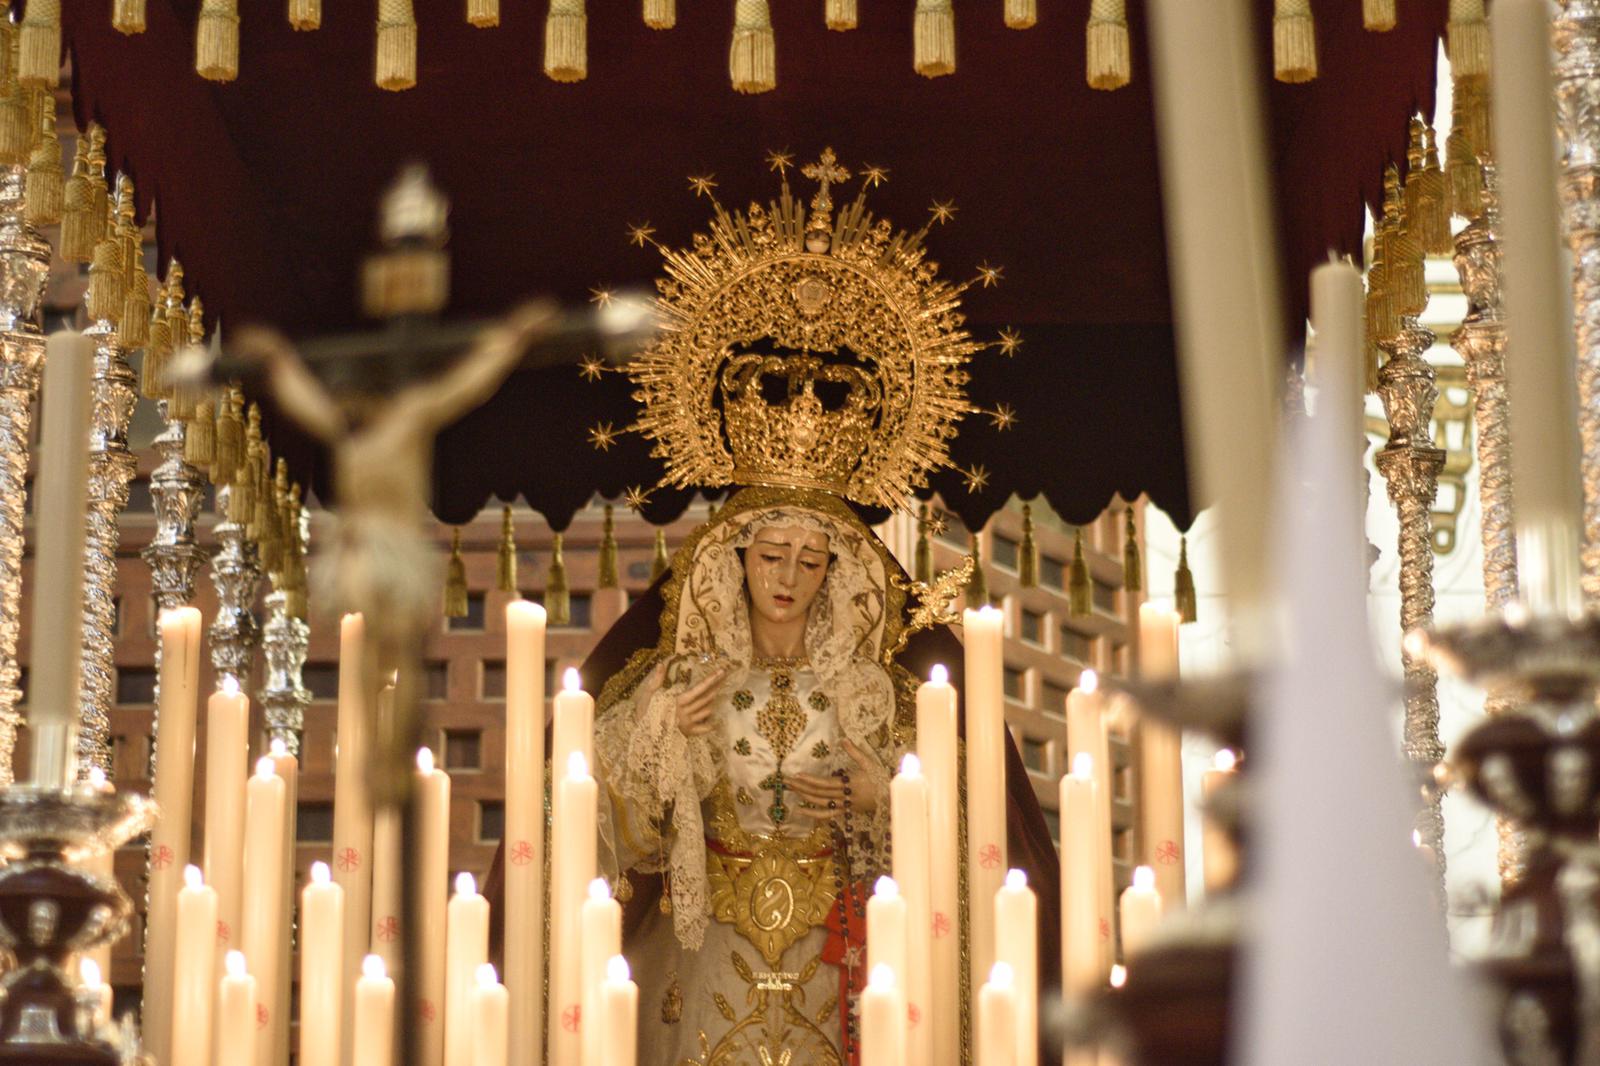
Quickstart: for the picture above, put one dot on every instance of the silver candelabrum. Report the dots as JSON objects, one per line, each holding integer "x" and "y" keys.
{"x": 174, "y": 555}
{"x": 1410, "y": 464}
{"x": 285, "y": 637}
{"x": 112, "y": 464}
{"x": 236, "y": 574}
{"x": 24, "y": 272}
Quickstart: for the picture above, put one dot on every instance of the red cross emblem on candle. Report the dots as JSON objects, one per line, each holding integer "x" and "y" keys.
{"x": 161, "y": 857}
{"x": 913, "y": 1015}
{"x": 262, "y": 1017}
{"x": 989, "y": 856}
{"x": 572, "y": 1018}
{"x": 389, "y": 929}
{"x": 941, "y": 924}
{"x": 425, "y": 1008}
{"x": 522, "y": 853}
{"x": 224, "y": 934}
{"x": 1167, "y": 853}
{"x": 349, "y": 859}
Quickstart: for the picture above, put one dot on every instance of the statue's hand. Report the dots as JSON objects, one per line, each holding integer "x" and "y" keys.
{"x": 818, "y": 792}
{"x": 697, "y": 703}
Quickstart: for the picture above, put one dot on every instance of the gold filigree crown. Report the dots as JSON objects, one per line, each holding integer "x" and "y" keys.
{"x": 802, "y": 347}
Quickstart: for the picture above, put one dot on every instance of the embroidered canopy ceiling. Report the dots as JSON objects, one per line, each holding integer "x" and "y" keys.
{"x": 266, "y": 190}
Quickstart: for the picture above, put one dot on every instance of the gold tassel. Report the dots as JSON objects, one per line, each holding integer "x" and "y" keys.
{"x": 566, "y": 41}
{"x": 934, "y": 38}
{"x": 923, "y": 564}
{"x": 661, "y": 14}
{"x": 242, "y": 500}
{"x": 1110, "y": 65}
{"x": 1464, "y": 178}
{"x": 1380, "y": 320}
{"x": 305, "y": 14}
{"x": 1132, "y": 560}
{"x": 1407, "y": 287}
{"x": 1080, "y": 590}
{"x": 1469, "y": 39}
{"x": 660, "y": 562}
{"x": 1426, "y": 211}
{"x": 200, "y": 440}
{"x": 230, "y": 437}
{"x": 1028, "y": 552}
{"x": 1294, "y": 41}
{"x": 608, "y": 578}
{"x": 77, "y": 242}
{"x": 1184, "y": 599}
{"x": 1378, "y": 15}
{"x": 16, "y": 124}
{"x": 264, "y": 522}
{"x": 134, "y": 330}
{"x": 1437, "y": 202}
{"x": 557, "y": 594}
{"x": 99, "y": 193}
{"x": 1021, "y": 14}
{"x": 840, "y": 15}
{"x": 157, "y": 351}
{"x": 505, "y": 563}
{"x": 294, "y": 578}
{"x": 753, "y": 56}
{"x": 106, "y": 292}
{"x": 483, "y": 13}
{"x": 397, "y": 46}
{"x": 978, "y": 584}
{"x": 180, "y": 399}
{"x": 40, "y": 66}
{"x": 45, "y": 188}
{"x": 127, "y": 16}
{"x": 216, "y": 40}
{"x": 455, "y": 580}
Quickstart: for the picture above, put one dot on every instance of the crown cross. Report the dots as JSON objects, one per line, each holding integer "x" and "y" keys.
{"x": 827, "y": 172}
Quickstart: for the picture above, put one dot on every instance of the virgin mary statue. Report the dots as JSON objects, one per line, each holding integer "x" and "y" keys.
{"x": 754, "y": 704}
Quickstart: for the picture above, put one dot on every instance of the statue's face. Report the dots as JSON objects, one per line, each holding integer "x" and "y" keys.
{"x": 783, "y": 569}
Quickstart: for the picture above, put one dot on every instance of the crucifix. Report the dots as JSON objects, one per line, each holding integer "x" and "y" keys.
{"x": 826, "y": 171}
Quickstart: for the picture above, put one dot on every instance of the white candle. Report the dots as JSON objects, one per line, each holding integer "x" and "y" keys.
{"x": 352, "y": 812}
{"x": 1086, "y": 735}
{"x": 262, "y": 913}
{"x": 373, "y": 1018}
{"x": 619, "y": 1007}
{"x": 600, "y": 930}
{"x": 936, "y": 748}
{"x": 431, "y": 797}
{"x": 467, "y": 930}
{"x": 1016, "y": 923}
{"x": 321, "y": 969}
{"x": 1540, "y": 367}
{"x": 1336, "y": 300}
{"x": 573, "y": 717}
{"x": 908, "y": 828}
{"x": 489, "y": 1026}
{"x": 1140, "y": 912}
{"x": 887, "y": 918}
{"x": 385, "y": 938}
{"x": 572, "y": 867}
{"x": 524, "y": 827}
{"x": 227, "y": 763}
{"x": 1160, "y": 758}
{"x": 179, "y": 633}
{"x": 236, "y": 1013}
{"x": 1216, "y": 849}
{"x": 288, "y": 768}
{"x": 1224, "y": 266}
{"x": 1082, "y": 960}
{"x": 93, "y": 984}
{"x": 194, "y": 985}
{"x": 61, "y": 480}
{"x": 983, "y": 641}
{"x": 997, "y": 1019}
{"x": 882, "y": 1018}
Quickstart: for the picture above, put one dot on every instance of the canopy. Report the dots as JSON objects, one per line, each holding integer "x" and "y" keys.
{"x": 267, "y": 190}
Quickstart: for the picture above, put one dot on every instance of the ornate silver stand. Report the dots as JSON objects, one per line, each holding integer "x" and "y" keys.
{"x": 24, "y": 270}
{"x": 1481, "y": 341}
{"x": 236, "y": 575}
{"x": 177, "y": 489}
{"x": 1410, "y": 464}
{"x": 111, "y": 467}
{"x": 284, "y": 697}
{"x": 1577, "y": 76}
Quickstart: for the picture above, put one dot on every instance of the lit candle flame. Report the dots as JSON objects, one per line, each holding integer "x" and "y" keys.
{"x": 1083, "y": 766}
{"x": 571, "y": 681}
{"x": 230, "y": 685}
{"x": 192, "y": 877}
{"x": 1119, "y": 975}
{"x": 466, "y": 884}
{"x": 939, "y": 675}
{"x": 617, "y": 970}
{"x": 235, "y": 964}
{"x": 882, "y": 977}
{"x": 1016, "y": 880}
{"x": 372, "y": 966}
{"x": 886, "y": 887}
{"x": 487, "y": 977}
{"x": 1089, "y": 681}
{"x": 577, "y": 765}
{"x": 89, "y": 971}
{"x": 320, "y": 874}
{"x": 265, "y": 767}
{"x": 278, "y": 748}
{"x": 1001, "y": 976}
{"x": 598, "y": 889}
{"x": 911, "y": 766}
{"x": 425, "y": 760}
{"x": 1144, "y": 879}
{"x": 1225, "y": 760}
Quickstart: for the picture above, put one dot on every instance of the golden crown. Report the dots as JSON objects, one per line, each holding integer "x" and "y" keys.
{"x": 806, "y": 348}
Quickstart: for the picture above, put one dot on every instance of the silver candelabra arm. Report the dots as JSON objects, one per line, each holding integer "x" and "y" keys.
{"x": 236, "y": 573}
{"x": 283, "y": 696}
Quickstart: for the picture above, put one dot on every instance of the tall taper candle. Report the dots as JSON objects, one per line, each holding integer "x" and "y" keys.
{"x": 1140, "y": 912}
{"x": 572, "y": 867}
{"x": 1083, "y": 965}
{"x": 936, "y": 748}
{"x": 61, "y": 479}
{"x": 1541, "y": 386}
{"x": 1086, "y": 735}
{"x": 431, "y": 800}
{"x": 227, "y": 764}
{"x": 169, "y": 840}
{"x": 194, "y": 985}
{"x": 888, "y": 949}
{"x": 1160, "y": 758}
{"x": 983, "y": 641}
{"x": 996, "y": 1043}
{"x": 600, "y": 937}
{"x": 883, "y": 1019}
{"x": 573, "y": 721}
{"x": 524, "y": 828}
{"x": 908, "y": 828}
{"x": 288, "y": 768}
{"x": 1224, "y": 266}
{"x": 1016, "y": 924}
{"x": 352, "y": 813}
{"x": 236, "y": 1013}
{"x": 373, "y": 1020}
{"x": 322, "y": 969}
{"x": 1336, "y": 298}
{"x": 466, "y": 949}
{"x": 262, "y": 912}
{"x": 489, "y": 1026}
{"x": 619, "y": 1015}
{"x": 1216, "y": 848}
{"x": 385, "y": 938}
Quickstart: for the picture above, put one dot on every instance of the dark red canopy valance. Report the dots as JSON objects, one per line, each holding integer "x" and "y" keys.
{"x": 267, "y": 189}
